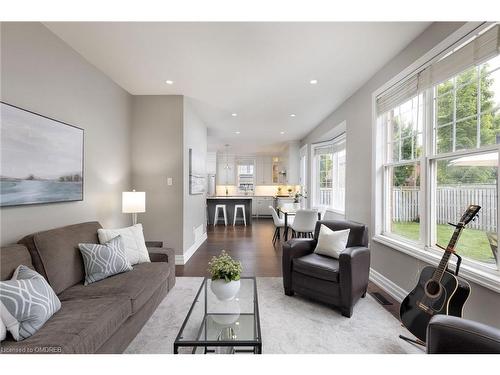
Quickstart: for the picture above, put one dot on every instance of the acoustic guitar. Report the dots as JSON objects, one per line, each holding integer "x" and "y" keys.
{"x": 438, "y": 290}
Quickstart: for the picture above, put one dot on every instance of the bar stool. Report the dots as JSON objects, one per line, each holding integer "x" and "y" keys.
{"x": 216, "y": 217}
{"x": 236, "y": 207}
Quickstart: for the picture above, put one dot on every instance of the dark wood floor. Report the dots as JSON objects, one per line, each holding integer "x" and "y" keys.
{"x": 252, "y": 245}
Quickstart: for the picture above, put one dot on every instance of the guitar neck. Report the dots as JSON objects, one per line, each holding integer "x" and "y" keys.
{"x": 450, "y": 249}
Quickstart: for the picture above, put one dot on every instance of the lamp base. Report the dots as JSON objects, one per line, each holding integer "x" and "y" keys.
{"x": 134, "y": 218}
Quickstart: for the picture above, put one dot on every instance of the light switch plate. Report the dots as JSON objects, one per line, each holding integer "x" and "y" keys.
{"x": 169, "y": 181}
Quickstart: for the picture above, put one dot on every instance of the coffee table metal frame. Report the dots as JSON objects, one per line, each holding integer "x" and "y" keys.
{"x": 237, "y": 345}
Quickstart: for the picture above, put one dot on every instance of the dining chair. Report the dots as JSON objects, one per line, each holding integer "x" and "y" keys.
{"x": 278, "y": 223}
{"x": 304, "y": 223}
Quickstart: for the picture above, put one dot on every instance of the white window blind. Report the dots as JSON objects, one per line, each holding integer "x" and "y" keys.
{"x": 323, "y": 150}
{"x": 398, "y": 94}
{"x": 477, "y": 51}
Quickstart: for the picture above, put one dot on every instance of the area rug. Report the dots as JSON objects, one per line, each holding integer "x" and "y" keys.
{"x": 292, "y": 325}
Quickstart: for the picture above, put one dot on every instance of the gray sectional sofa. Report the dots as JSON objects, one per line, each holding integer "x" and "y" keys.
{"x": 103, "y": 317}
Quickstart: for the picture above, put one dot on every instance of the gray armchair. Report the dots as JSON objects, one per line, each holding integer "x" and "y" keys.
{"x": 336, "y": 282}
{"x": 451, "y": 335}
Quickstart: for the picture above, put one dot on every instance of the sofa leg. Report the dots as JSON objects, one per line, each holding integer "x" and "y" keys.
{"x": 289, "y": 292}
{"x": 346, "y": 311}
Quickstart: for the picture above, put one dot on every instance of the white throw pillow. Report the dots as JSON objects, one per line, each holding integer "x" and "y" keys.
{"x": 331, "y": 243}
{"x": 3, "y": 330}
{"x": 133, "y": 241}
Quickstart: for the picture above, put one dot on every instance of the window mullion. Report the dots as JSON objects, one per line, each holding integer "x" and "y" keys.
{"x": 454, "y": 125}
{"x": 478, "y": 109}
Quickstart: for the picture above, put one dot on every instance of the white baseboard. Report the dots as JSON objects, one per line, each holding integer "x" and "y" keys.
{"x": 180, "y": 260}
{"x": 387, "y": 285}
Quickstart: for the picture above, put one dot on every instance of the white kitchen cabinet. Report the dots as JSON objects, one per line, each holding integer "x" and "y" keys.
{"x": 263, "y": 170}
{"x": 260, "y": 206}
{"x": 267, "y": 170}
{"x": 280, "y": 201}
{"x": 226, "y": 170}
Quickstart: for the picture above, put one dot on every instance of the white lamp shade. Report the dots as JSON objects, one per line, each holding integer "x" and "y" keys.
{"x": 133, "y": 202}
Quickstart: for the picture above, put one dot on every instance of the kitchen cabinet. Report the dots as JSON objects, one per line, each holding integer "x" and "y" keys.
{"x": 260, "y": 206}
{"x": 280, "y": 201}
{"x": 226, "y": 170}
{"x": 263, "y": 170}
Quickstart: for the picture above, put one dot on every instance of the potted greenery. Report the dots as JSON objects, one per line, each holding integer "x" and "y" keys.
{"x": 225, "y": 272}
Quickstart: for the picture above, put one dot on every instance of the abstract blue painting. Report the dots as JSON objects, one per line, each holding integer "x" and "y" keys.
{"x": 41, "y": 159}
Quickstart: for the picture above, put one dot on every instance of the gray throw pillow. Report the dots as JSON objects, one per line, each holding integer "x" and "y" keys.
{"x": 102, "y": 261}
{"x": 26, "y": 302}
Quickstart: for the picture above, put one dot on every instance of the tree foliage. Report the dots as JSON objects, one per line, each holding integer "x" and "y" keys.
{"x": 460, "y": 104}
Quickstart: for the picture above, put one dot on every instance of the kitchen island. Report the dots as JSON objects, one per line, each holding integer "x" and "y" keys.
{"x": 230, "y": 202}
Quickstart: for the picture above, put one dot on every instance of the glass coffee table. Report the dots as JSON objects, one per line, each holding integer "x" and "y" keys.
{"x": 222, "y": 327}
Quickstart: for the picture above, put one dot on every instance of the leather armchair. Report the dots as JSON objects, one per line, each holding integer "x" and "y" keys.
{"x": 451, "y": 335}
{"x": 336, "y": 282}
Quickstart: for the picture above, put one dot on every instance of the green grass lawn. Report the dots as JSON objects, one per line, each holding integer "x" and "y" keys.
{"x": 472, "y": 243}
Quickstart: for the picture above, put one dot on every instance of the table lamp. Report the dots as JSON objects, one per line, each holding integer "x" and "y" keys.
{"x": 133, "y": 202}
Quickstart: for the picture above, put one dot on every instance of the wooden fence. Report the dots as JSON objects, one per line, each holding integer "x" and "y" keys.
{"x": 451, "y": 201}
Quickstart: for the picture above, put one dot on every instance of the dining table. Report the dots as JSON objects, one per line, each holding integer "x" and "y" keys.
{"x": 290, "y": 209}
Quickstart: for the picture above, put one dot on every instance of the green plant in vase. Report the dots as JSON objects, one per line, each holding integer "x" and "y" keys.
{"x": 225, "y": 273}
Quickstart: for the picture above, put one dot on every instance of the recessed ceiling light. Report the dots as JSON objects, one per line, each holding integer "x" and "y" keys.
{"x": 313, "y": 81}
{"x": 293, "y": 115}
{"x": 282, "y": 133}
{"x": 237, "y": 132}
{"x": 234, "y": 114}
{"x": 169, "y": 82}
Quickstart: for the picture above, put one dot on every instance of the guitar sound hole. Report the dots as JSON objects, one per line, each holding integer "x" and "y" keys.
{"x": 432, "y": 288}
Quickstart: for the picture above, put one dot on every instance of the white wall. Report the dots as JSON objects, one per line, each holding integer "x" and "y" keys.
{"x": 398, "y": 267}
{"x": 39, "y": 72}
{"x": 157, "y": 154}
{"x": 195, "y": 138}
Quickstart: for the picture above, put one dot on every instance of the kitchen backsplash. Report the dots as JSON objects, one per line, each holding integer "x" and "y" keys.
{"x": 260, "y": 190}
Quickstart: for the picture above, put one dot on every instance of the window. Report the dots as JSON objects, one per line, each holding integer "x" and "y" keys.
{"x": 328, "y": 177}
{"x": 245, "y": 170}
{"x": 440, "y": 131}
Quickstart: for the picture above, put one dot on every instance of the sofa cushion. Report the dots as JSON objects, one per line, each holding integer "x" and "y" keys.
{"x": 80, "y": 326}
{"x": 318, "y": 266}
{"x": 11, "y": 257}
{"x": 56, "y": 256}
{"x": 137, "y": 285}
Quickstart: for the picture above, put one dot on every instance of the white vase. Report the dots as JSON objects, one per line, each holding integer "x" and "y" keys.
{"x": 225, "y": 291}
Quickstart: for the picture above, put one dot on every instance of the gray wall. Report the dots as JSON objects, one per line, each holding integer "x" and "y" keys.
{"x": 41, "y": 73}
{"x": 400, "y": 268}
{"x": 157, "y": 153}
{"x": 195, "y": 137}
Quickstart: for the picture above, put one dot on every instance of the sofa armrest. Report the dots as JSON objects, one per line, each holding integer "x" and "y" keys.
{"x": 294, "y": 248}
{"x": 161, "y": 254}
{"x": 354, "y": 271}
{"x": 452, "y": 335}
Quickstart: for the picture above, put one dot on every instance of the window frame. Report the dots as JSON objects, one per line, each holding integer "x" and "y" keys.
{"x": 341, "y": 138}
{"x": 472, "y": 270}
{"x": 246, "y": 163}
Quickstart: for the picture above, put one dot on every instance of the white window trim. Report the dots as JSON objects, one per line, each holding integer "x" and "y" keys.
{"x": 470, "y": 270}
{"x": 312, "y": 193}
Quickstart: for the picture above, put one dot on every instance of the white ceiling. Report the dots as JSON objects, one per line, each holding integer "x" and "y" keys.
{"x": 261, "y": 71}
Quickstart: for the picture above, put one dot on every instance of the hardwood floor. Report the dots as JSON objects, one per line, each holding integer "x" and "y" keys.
{"x": 252, "y": 245}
